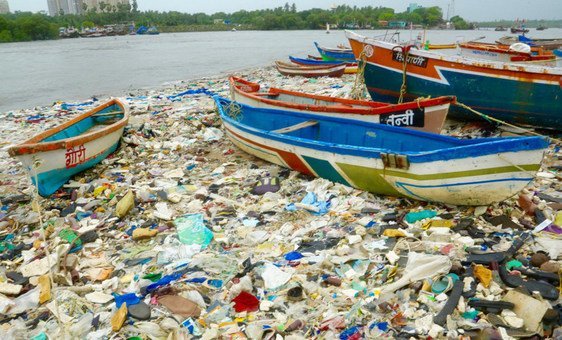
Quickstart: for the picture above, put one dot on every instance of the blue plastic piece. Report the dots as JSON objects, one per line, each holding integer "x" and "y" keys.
{"x": 350, "y": 332}
{"x": 128, "y": 299}
{"x": 293, "y": 256}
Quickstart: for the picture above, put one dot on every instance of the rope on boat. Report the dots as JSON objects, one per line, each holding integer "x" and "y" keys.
{"x": 403, "y": 89}
{"x": 405, "y": 52}
{"x": 357, "y": 91}
{"x": 499, "y": 121}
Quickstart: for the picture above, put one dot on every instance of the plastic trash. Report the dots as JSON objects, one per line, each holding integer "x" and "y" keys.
{"x": 118, "y": 319}
{"x": 412, "y": 217}
{"x": 246, "y": 302}
{"x": 419, "y": 266}
{"x": 191, "y": 230}
{"x": 125, "y": 204}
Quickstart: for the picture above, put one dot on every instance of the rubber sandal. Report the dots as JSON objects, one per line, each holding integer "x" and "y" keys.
{"x": 450, "y": 305}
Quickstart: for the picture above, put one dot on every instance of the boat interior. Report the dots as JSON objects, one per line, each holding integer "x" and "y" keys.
{"x": 89, "y": 123}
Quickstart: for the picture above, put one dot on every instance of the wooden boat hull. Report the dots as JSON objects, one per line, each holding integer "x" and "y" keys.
{"x": 335, "y": 54}
{"x": 527, "y": 95}
{"x": 425, "y": 115}
{"x": 293, "y": 70}
{"x": 465, "y": 175}
{"x": 547, "y": 44}
{"x": 501, "y": 53}
{"x": 53, "y": 157}
{"x": 350, "y": 68}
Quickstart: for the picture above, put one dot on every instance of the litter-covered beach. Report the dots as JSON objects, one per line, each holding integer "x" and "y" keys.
{"x": 179, "y": 234}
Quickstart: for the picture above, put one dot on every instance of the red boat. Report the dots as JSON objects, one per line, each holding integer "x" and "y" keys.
{"x": 425, "y": 114}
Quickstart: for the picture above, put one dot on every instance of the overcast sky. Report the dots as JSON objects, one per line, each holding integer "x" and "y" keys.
{"x": 476, "y": 10}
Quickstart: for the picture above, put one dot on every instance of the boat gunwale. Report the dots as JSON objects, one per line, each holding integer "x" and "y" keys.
{"x": 34, "y": 144}
{"x": 464, "y": 147}
{"x": 462, "y": 60}
{"x": 366, "y": 110}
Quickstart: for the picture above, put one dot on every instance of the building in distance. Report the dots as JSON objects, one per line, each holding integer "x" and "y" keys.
{"x": 58, "y": 7}
{"x": 4, "y": 7}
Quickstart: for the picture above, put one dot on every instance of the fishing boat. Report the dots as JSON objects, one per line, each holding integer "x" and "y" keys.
{"x": 516, "y": 93}
{"x": 288, "y": 69}
{"x": 385, "y": 159}
{"x": 517, "y": 52}
{"x": 338, "y": 54}
{"x": 500, "y": 29}
{"x": 519, "y": 30}
{"x": 558, "y": 52}
{"x": 547, "y": 44}
{"x": 350, "y": 68}
{"x": 54, "y": 156}
{"x": 425, "y": 114}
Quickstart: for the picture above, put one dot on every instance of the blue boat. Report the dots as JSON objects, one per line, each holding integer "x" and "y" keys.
{"x": 335, "y": 54}
{"x": 302, "y": 61}
{"x": 558, "y": 52}
{"x": 385, "y": 159}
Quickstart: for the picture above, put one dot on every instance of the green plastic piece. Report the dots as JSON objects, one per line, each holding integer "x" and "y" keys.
{"x": 69, "y": 236}
{"x": 513, "y": 264}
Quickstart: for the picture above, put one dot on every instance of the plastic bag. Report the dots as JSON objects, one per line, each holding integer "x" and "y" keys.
{"x": 191, "y": 230}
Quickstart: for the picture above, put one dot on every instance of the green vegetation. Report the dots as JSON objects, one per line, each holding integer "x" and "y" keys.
{"x": 26, "y": 26}
{"x": 527, "y": 23}
{"x": 460, "y": 24}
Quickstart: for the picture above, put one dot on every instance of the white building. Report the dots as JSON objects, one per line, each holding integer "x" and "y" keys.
{"x": 91, "y": 4}
{"x": 57, "y": 7}
{"x": 4, "y": 7}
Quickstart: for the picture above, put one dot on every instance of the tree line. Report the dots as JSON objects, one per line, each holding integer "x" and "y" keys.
{"x": 22, "y": 26}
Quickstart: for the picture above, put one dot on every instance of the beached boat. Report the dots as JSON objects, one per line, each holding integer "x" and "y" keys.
{"x": 54, "y": 156}
{"x": 515, "y": 53}
{"x": 558, "y": 52}
{"x": 516, "y": 93}
{"x": 425, "y": 114}
{"x": 288, "y": 69}
{"x": 547, "y": 44}
{"x": 385, "y": 159}
{"x": 338, "y": 54}
{"x": 350, "y": 68}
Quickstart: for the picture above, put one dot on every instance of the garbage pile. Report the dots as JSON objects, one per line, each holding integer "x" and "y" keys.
{"x": 179, "y": 234}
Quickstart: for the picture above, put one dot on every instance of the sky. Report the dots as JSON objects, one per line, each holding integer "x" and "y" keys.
{"x": 473, "y": 10}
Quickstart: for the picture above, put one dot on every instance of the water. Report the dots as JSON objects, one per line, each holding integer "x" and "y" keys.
{"x": 40, "y": 73}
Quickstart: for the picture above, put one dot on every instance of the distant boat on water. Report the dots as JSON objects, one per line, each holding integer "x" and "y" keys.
{"x": 500, "y": 29}
{"x": 541, "y": 28}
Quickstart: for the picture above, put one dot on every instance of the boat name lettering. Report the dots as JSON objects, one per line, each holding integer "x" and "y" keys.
{"x": 412, "y": 59}
{"x": 413, "y": 117}
{"x": 75, "y": 156}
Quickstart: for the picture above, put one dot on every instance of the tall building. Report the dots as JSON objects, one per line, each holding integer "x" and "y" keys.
{"x": 4, "y": 7}
{"x": 99, "y": 4}
{"x": 413, "y": 7}
{"x": 57, "y": 7}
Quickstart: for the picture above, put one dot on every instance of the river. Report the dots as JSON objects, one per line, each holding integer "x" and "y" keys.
{"x": 40, "y": 73}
